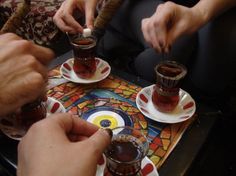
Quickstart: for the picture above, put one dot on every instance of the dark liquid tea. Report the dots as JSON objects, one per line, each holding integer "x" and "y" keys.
{"x": 84, "y": 53}
{"x": 169, "y": 70}
{"x": 164, "y": 103}
{"x": 124, "y": 152}
{"x": 31, "y": 113}
{"x": 165, "y": 95}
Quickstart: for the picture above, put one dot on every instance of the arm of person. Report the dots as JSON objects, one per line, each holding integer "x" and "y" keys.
{"x": 171, "y": 21}
{"x": 209, "y": 9}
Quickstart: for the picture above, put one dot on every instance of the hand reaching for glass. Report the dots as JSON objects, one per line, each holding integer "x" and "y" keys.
{"x": 64, "y": 145}
{"x": 64, "y": 17}
{"x": 23, "y": 67}
{"x": 167, "y": 24}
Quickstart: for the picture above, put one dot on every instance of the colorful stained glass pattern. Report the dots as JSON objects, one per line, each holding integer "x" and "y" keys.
{"x": 119, "y": 96}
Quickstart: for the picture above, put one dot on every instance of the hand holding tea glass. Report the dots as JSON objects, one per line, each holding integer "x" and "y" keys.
{"x": 31, "y": 113}
{"x": 23, "y": 67}
{"x": 67, "y": 140}
{"x": 127, "y": 149}
{"x": 169, "y": 75}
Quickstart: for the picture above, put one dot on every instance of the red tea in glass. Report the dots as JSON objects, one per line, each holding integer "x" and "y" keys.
{"x": 126, "y": 151}
{"x": 84, "y": 56}
{"x": 165, "y": 95}
{"x": 31, "y": 113}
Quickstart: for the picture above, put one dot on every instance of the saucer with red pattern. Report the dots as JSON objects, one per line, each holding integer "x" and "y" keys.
{"x": 147, "y": 167}
{"x": 102, "y": 71}
{"x": 9, "y": 124}
{"x": 183, "y": 111}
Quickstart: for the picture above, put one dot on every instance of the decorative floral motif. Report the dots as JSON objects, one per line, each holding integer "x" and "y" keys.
{"x": 38, "y": 25}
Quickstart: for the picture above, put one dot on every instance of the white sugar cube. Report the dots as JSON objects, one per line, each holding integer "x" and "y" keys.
{"x": 87, "y": 32}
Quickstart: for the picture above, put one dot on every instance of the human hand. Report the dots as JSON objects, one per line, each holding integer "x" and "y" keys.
{"x": 168, "y": 23}
{"x": 23, "y": 72}
{"x": 47, "y": 148}
{"x": 64, "y": 16}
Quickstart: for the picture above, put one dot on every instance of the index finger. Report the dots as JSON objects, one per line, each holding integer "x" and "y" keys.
{"x": 42, "y": 54}
{"x": 70, "y": 21}
{"x": 72, "y": 124}
{"x": 89, "y": 14}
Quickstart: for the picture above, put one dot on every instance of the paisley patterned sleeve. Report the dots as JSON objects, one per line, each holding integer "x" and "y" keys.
{"x": 38, "y": 24}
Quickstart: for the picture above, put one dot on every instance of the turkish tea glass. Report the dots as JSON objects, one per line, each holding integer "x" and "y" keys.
{"x": 169, "y": 75}
{"x": 31, "y": 113}
{"x": 84, "y": 55}
{"x": 127, "y": 149}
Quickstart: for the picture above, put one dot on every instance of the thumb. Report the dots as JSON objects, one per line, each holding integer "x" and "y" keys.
{"x": 99, "y": 141}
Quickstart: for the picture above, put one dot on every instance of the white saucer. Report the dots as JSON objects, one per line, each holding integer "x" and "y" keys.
{"x": 184, "y": 110}
{"x": 9, "y": 127}
{"x": 147, "y": 168}
{"x": 101, "y": 166}
{"x": 102, "y": 71}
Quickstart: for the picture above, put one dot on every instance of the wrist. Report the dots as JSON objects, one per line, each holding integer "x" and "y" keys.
{"x": 200, "y": 15}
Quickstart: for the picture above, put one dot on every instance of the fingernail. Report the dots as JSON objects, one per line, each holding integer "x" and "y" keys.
{"x": 107, "y": 131}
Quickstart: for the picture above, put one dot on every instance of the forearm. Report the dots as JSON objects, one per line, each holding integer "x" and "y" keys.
{"x": 209, "y": 9}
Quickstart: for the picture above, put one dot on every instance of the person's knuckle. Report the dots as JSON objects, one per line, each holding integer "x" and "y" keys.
{"x": 54, "y": 18}
{"x": 157, "y": 23}
{"x": 50, "y": 53}
{"x": 143, "y": 22}
{"x": 34, "y": 81}
{"x": 168, "y": 4}
{"x": 37, "y": 80}
{"x": 11, "y": 36}
{"x": 30, "y": 62}
{"x": 57, "y": 15}
{"x": 160, "y": 6}
{"x": 64, "y": 15}
{"x": 25, "y": 45}
{"x": 146, "y": 30}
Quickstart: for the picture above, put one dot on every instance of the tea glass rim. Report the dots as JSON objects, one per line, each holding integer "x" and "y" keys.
{"x": 145, "y": 151}
{"x": 72, "y": 36}
{"x": 177, "y": 77}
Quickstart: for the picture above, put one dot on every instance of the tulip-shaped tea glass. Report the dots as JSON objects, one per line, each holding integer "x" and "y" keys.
{"x": 126, "y": 151}
{"x": 84, "y": 48}
{"x": 169, "y": 75}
